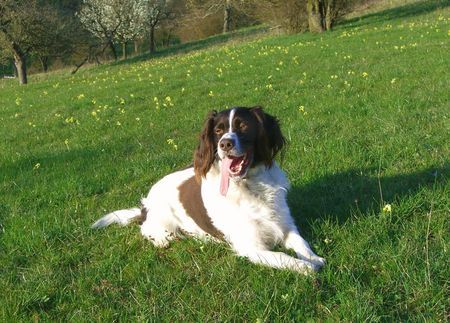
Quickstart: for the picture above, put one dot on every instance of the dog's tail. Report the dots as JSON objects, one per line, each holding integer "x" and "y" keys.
{"x": 121, "y": 217}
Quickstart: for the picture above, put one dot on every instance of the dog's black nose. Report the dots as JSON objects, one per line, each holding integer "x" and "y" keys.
{"x": 226, "y": 144}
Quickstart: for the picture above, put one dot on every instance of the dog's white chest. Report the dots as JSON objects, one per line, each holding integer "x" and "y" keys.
{"x": 248, "y": 215}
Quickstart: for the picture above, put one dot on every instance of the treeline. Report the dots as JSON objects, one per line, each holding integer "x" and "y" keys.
{"x": 39, "y": 34}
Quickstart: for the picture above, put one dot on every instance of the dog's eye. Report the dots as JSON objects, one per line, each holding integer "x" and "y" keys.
{"x": 243, "y": 126}
{"x": 218, "y": 131}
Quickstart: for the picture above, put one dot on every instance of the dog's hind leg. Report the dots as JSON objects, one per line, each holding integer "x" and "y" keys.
{"x": 160, "y": 225}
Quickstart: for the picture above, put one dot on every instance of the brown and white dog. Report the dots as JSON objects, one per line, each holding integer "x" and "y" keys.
{"x": 235, "y": 192}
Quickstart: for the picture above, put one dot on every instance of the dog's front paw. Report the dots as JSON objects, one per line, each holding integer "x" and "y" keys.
{"x": 317, "y": 261}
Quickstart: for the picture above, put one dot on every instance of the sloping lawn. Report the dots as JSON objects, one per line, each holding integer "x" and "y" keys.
{"x": 365, "y": 109}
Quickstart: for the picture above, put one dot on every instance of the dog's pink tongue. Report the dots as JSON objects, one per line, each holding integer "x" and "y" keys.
{"x": 225, "y": 175}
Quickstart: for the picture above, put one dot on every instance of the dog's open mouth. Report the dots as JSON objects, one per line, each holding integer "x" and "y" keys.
{"x": 236, "y": 166}
{"x": 233, "y": 166}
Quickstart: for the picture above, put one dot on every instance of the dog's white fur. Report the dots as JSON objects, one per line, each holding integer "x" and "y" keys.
{"x": 253, "y": 216}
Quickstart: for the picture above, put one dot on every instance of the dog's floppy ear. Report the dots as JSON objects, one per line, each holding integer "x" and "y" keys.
{"x": 205, "y": 153}
{"x": 270, "y": 140}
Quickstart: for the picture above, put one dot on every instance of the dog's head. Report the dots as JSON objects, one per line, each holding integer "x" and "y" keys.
{"x": 238, "y": 138}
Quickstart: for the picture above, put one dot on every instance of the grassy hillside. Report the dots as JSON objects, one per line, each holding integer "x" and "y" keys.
{"x": 365, "y": 110}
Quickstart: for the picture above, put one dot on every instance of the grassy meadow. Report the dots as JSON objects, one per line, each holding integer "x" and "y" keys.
{"x": 365, "y": 110}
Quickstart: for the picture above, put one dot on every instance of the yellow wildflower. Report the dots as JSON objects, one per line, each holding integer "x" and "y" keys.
{"x": 171, "y": 142}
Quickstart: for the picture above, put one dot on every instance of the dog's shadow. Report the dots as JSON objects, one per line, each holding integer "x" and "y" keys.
{"x": 337, "y": 196}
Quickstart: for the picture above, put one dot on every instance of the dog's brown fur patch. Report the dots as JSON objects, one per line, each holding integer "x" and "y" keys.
{"x": 191, "y": 199}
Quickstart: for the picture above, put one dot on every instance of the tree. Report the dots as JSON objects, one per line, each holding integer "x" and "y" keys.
{"x": 205, "y": 8}
{"x": 58, "y": 39}
{"x": 227, "y": 16}
{"x": 315, "y": 15}
{"x": 123, "y": 20}
{"x": 298, "y": 15}
{"x": 323, "y": 14}
{"x": 132, "y": 16}
{"x": 156, "y": 10}
{"x": 287, "y": 15}
{"x": 173, "y": 20}
{"x": 24, "y": 26}
{"x": 102, "y": 19}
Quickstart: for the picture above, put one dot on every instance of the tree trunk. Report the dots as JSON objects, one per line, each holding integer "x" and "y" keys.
{"x": 152, "y": 39}
{"x": 113, "y": 49}
{"x": 21, "y": 69}
{"x": 227, "y": 16}
{"x": 315, "y": 16}
{"x": 329, "y": 15}
{"x": 136, "y": 47}
{"x": 16, "y": 74}
{"x": 77, "y": 67}
{"x": 169, "y": 36}
{"x": 124, "y": 50}
{"x": 20, "y": 63}
{"x": 44, "y": 63}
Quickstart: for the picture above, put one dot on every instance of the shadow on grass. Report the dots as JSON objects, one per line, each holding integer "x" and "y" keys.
{"x": 338, "y": 196}
{"x": 409, "y": 10}
{"x": 199, "y": 44}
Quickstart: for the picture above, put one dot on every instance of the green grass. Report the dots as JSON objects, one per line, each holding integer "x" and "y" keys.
{"x": 373, "y": 130}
